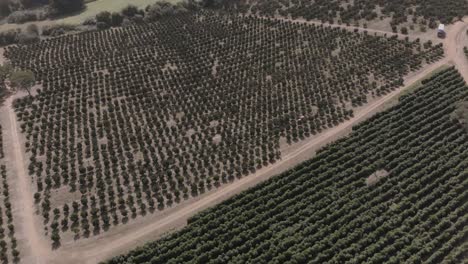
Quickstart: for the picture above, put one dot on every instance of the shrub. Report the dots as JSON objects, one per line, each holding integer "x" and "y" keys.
{"x": 32, "y": 29}
{"x": 103, "y": 17}
{"x": 26, "y": 39}
{"x": 130, "y": 11}
{"x": 90, "y": 21}
{"x": 161, "y": 9}
{"x": 404, "y": 30}
{"x": 57, "y": 30}
{"x": 62, "y": 7}
{"x": 116, "y": 19}
{"x": 19, "y": 17}
{"x": 9, "y": 37}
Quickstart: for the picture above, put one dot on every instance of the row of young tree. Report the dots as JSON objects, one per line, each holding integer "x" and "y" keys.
{"x": 322, "y": 211}
{"x": 136, "y": 119}
{"x": 9, "y": 252}
{"x": 427, "y": 12}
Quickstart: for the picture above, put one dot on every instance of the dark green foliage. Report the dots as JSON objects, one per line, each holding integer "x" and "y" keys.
{"x": 116, "y": 19}
{"x": 63, "y": 7}
{"x": 323, "y": 212}
{"x": 161, "y": 9}
{"x": 9, "y": 37}
{"x": 104, "y": 17}
{"x": 130, "y": 11}
{"x": 5, "y": 9}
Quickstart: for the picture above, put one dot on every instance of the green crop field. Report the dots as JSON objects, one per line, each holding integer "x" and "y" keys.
{"x": 325, "y": 211}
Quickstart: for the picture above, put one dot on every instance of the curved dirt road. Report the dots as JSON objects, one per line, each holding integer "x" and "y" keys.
{"x": 94, "y": 250}
{"x": 454, "y": 47}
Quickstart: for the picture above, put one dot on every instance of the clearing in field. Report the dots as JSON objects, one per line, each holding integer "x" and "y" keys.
{"x": 375, "y": 177}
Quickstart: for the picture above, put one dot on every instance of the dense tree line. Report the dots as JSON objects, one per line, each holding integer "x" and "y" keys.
{"x": 322, "y": 211}
{"x": 139, "y": 118}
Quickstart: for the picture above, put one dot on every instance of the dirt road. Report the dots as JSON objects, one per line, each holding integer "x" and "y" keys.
{"x": 454, "y": 43}
{"x": 38, "y": 247}
{"x": 94, "y": 250}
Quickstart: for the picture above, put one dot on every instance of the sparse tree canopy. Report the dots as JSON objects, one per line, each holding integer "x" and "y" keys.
{"x": 23, "y": 80}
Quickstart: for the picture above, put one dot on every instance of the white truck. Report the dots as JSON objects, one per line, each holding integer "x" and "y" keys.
{"x": 441, "y": 31}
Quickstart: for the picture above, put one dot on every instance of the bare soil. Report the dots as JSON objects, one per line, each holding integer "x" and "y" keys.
{"x": 121, "y": 239}
{"x": 375, "y": 177}
{"x": 35, "y": 248}
{"x": 2, "y": 58}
